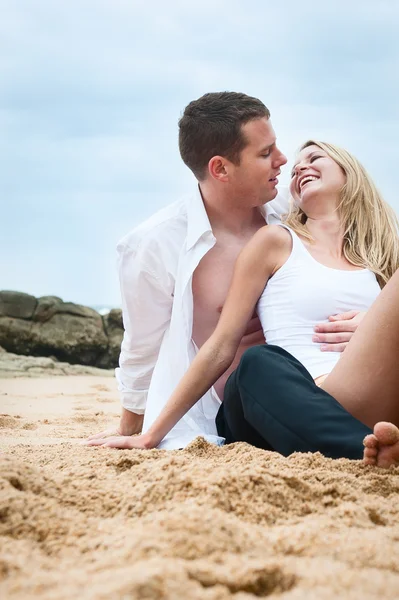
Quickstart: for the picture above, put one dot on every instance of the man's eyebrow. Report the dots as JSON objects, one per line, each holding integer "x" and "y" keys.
{"x": 268, "y": 147}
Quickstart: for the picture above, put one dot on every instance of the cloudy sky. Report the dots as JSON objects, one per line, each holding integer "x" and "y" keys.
{"x": 91, "y": 92}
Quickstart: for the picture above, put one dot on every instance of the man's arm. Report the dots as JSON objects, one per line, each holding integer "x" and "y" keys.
{"x": 147, "y": 298}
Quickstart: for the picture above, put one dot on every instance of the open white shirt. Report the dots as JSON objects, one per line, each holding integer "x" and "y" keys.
{"x": 156, "y": 264}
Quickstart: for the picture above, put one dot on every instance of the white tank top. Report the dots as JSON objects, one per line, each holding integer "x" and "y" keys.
{"x": 302, "y": 293}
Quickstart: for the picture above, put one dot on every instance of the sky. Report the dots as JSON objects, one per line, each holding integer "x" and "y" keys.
{"x": 91, "y": 92}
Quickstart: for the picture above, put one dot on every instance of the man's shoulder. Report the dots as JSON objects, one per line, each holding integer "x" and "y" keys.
{"x": 169, "y": 220}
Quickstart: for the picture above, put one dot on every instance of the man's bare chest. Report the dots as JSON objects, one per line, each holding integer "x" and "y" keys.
{"x": 212, "y": 279}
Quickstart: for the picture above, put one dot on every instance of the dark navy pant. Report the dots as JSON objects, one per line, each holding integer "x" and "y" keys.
{"x": 272, "y": 402}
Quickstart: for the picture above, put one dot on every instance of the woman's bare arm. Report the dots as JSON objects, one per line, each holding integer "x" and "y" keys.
{"x": 257, "y": 262}
{"x": 255, "y": 265}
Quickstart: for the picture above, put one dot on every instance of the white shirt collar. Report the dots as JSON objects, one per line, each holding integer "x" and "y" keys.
{"x": 197, "y": 219}
{"x": 267, "y": 211}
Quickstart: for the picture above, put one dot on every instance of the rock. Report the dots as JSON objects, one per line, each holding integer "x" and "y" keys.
{"x": 70, "y": 338}
{"x": 13, "y": 365}
{"x": 114, "y": 318}
{"x": 15, "y": 335}
{"x": 17, "y": 305}
{"x": 69, "y": 332}
{"x": 69, "y": 308}
{"x": 113, "y": 327}
{"x": 46, "y": 308}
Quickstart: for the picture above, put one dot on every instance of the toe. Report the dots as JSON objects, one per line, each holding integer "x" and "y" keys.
{"x": 369, "y": 461}
{"x": 387, "y": 434}
{"x": 370, "y": 452}
{"x": 370, "y": 441}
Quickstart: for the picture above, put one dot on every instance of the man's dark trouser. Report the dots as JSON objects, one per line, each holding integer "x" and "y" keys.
{"x": 272, "y": 402}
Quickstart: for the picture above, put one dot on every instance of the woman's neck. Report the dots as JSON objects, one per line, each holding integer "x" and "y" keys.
{"x": 327, "y": 232}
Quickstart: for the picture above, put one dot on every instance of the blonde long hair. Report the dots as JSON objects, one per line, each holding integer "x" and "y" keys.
{"x": 370, "y": 225}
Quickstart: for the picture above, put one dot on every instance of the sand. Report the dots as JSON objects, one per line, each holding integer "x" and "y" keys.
{"x": 202, "y": 523}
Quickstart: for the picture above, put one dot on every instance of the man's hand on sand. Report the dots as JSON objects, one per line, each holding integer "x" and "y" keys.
{"x": 335, "y": 335}
{"x": 130, "y": 424}
{"x": 124, "y": 442}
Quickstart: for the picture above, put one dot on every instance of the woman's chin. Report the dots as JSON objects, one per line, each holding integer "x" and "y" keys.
{"x": 308, "y": 197}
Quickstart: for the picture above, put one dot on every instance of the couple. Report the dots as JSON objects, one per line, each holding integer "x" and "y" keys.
{"x": 302, "y": 284}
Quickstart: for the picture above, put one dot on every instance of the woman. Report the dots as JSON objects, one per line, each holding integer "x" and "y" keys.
{"x": 338, "y": 247}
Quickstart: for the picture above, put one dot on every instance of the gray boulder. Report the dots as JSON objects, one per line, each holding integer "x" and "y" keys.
{"x": 47, "y": 326}
{"x": 113, "y": 327}
{"x": 17, "y": 305}
{"x": 13, "y": 365}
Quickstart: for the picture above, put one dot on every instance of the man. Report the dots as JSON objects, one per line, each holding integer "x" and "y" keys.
{"x": 175, "y": 269}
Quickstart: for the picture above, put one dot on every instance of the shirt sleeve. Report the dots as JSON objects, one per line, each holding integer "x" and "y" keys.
{"x": 147, "y": 298}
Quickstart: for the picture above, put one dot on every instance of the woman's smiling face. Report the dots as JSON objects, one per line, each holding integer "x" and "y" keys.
{"x": 316, "y": 176}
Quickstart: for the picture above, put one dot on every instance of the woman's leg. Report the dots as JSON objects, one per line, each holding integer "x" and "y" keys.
{"x": 272, "y": 402}
{"x": 365, "y": 380}
{"x": 230, "y": 420}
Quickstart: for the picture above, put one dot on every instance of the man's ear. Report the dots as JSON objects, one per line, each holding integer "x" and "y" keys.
{"x": 218, "y": 168}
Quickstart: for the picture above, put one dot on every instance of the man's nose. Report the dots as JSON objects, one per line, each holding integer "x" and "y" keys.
{"x": 281, "y": 159}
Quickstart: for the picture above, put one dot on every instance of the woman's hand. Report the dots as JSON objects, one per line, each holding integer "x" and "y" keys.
{"x": 124, "y": 442}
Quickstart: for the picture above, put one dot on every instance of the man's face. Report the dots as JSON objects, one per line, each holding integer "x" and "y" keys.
{"x": 255, "y": 178}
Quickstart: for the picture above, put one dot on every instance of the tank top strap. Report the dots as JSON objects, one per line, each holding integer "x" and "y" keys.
{"x": 298, "y": 246}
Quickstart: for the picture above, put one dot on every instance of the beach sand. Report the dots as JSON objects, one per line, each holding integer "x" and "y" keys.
{"x": 201, "y": 523}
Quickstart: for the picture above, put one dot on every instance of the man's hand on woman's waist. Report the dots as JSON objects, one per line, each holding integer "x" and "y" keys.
{"x": 336, "y": 334}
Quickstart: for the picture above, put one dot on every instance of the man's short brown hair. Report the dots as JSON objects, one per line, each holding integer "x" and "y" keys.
{"x": 211, "y": 126}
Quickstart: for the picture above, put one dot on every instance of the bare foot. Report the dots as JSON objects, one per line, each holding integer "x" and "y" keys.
{"x": 381, "y": 448}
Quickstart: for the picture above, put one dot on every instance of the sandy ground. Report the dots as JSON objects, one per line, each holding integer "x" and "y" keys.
{"x": 203, "y": 523}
